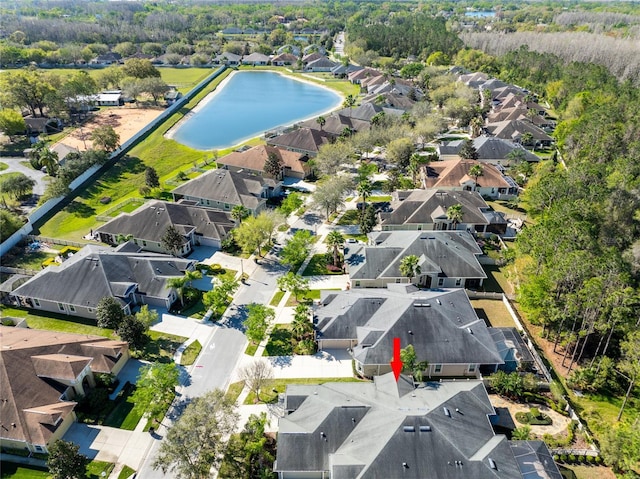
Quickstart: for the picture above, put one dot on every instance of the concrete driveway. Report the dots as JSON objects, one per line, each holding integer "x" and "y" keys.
{"x": 330, "y": 363}
{"x": 15, "y": 165}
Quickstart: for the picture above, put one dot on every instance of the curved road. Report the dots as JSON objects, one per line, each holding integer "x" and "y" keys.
{"x": 15, "y": 165}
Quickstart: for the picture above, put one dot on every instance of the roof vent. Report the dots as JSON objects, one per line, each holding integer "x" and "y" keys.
{"x": 409, "y": 429}
{"x": 447, "y": 412}
{"x": 470, "y": 331}
{"x": 492, "y": 464}
{"x": 405, "y": 465}
{"x": 438, "y": 301}
{"x": 425, "y": 428}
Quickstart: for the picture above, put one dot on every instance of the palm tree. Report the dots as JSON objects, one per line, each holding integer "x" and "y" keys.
{"x": 454, "y": 214}
{"x": 301, "y": 326}
{"x": 239, "y": 213}
{"x": 364, "y": 190}
{"x": 476, "y": 171}
{"x": 335, "y": 240}
{"x": 178, "y": 283}
{"x": 321, "y": 120}
{"x": 189, "y": 276}
{"x": 415, "y": 162}
{"x": 349, "y": 102}
{"x": 476, "y": 125}
{"x": 49, "y": 159}
{"x": 123, "y": 238}
{"x": 410, "y": 267}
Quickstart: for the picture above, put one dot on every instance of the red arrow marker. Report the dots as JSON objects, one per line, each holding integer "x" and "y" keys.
{"x": 396, "y": 362}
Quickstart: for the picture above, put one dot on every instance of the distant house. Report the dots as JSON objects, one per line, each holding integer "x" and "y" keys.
{"x": 514, "y": 130}
{"x": 37, "y": 126}
{"x": 322, "y": 64}
{"x": 223, "y": 189}
{"x": 473, "y": 80}
{"x": 358, "y": 75}
{"x": 227, "y": 58}
{"x": 336, "y": 123}
{"x": 447, "y": 259}
{"x": 41, "y": 373}
{"x": 366, "y": 111}
{"x": 148, "y": 223}
{"x": 76, "y": 286}
{"x": 294, "y": 165}
{"x": 427, "y": 210}
{"x": 311, "y": 57}
{"x": 284, "y": 59}
{"x": 110, "y": 58}
{"x": 63, "y": 150}
{"x": 490, "y": 149}
{"x": 172, "y": 96}
{"x": 302, "y": 140}
{"x": 390, "y": 99}
{"x": 393, "y": 429}
{"x": 341, "y": 71}
{"x": 255, "y": 59}
{"x": 110, "y": 98}
{"x": 454, "y": 175}
{"x": 441, "y": 325}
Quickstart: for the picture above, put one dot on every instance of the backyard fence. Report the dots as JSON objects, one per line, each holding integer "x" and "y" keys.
{"x": 9, "y": 270}
{"x": 106, "y": 216}
{"x": 44, "y": 239}
{"x": 483, "y": 295}
{"x": 575, "y": 452}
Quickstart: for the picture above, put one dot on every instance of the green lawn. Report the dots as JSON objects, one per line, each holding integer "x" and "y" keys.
{"x": 18, "y": 471}
{"x": 350, "y": 217}
{"x": 161, "y": 348}
{"x": 378, "y": 199}
{"x": 27, "y": 260}
{"x": 494, "y": 312}
{"x": 96, "y": 468}
{"x": 586, "y": 472}
{"x": 191, "y": 353}
{"x": 197, "y": 310}
{"x": 318, "y": 266}
{"x": 3, "y": 166}
{"x": 269, "y": 396}
{"x": 126, "y": 472}
{"x": 362, "y": 238}
{"x": 275, "y": 301}
{"x": 234, "y": 390}
{"x": 280, "y": 341}
{"x": 57, "y": 322}
{"x": 496, "y": 281}
{"x": 251, "y": 349}
{"x": 309, "y": 296}
{"x": 123, "y": 415}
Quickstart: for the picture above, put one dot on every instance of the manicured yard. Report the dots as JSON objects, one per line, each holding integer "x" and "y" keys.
{"x": 496, "y": 281}
{"x": 161, "y": 348}
{"x": 191, "y": 353}
{"x": 251, "y": 349}
{"x": 350, "y": 217}
{"x": 269, "y": 396}
{"x": 275, "y": 301}
{"x": 308, "y": 297}
{"x": 126, "y": 472}
{"x": 280, "y": 341}
{"x": 234, "y": 390}
{"x": 27, "y": 260}
{"x": 362, "y": 238}
{"x": 3, "y": 166}
{"x": 318, "y": 266}
{"x": 96, "y": 468}
{"x": 196, "y": 310}
{"x": 378, "y": 199}
{"x": 18, "y": 471}
{"x": 123, "y": 415}
{"x": 57, "y": 322}
{"x": 494, "y": 311}
{"x": 586, "y": 472}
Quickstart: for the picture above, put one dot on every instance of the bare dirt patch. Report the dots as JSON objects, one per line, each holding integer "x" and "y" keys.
{"x": 125, "y": 121}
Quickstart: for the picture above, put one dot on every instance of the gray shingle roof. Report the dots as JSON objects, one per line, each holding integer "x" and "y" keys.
{"x": 302, "y": 139}
{"x": 226, "y": 186}
{"x": 369, "y": 430}
{"x": 151, "y": 220}
{"x": 420, "y": 206}
{"x": 447, "y": 331}
{"x": 96, "y": 272}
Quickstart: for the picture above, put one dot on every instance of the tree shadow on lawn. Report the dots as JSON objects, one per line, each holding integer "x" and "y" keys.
{"x": 80, "y": 209}
{"x": 110, "y": 178}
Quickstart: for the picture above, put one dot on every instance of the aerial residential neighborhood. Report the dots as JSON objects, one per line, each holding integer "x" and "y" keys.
{"x": 319, "y": 240}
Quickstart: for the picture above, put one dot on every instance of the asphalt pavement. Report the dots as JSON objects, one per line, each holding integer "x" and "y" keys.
{"x": 15, "y": 165}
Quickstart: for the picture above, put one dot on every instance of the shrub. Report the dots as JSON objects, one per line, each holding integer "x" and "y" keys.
{"x": 556, "y": 458}
{"x": 598, "y": 460}
{"x": 572, "y": 458}
{"x": 144, "y": 191}
{"x": 591, "y": 459}
{"x": 563, "y": 458}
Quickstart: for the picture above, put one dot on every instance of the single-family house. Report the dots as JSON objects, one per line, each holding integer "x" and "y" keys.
{"x": 393, "y": 429}
{"x": 455, "y": 175}
{"x": 227, "y": 58}
{"x": 311, "y": 57}
{"x": 255, "y": 59}
{"x": 41, "y": 373}
{"x": 109, "y": 98}
{"x": 322, "y": 64}
{"x": 366, "y": 111}
{"x": 222, "y": 189}
{"x": 341, "y": 71}
{"x": 358, "y": 75}
{"x": 428, "y": 210}
{"x": 302, "y": 140}
{"x": 447, "y": 259}
{"x": 149, "y": 222}
{"x": 288, "y": 48}
{"x": 441, "y": 325}
{"x": 63, "y": 150}
{"x": 336, "y": 123}
{"x": 36, "y": 126}
{"x": 473, "y": 80}
{"x": 490, "y": 149}
{"x": 294, "y": 164}
{"x": 76, "y": 286}
{"x": 515, "y": 130}
{"x": 284, "y": 59}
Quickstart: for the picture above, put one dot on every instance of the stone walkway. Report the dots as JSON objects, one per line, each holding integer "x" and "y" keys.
{"x": 558, "y": 426}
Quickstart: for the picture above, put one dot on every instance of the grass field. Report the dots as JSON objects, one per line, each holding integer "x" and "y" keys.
{"x": 275, "y": 301}
{"x": 279, "y": 343}
{"x": 494, "y": 311}
{"x": 234, "y": 390}
{"x": 123, "y": 416}
{"x": 167, "y": 156}
{"x": 18, "y": 471}
{"x": 318, "y": 266}
{"x": 161, "y": 348}
{"x": 586, "y": 472}
{"x": 309, "y": 296}
{"x": 96, "y": 468}
{"x": 191, "y": 353}
{"x": 126, "y": 472}
{"x": 57, "y": 322}
{"x": 349, "y": 217}
{"x": 3, "y": 166}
